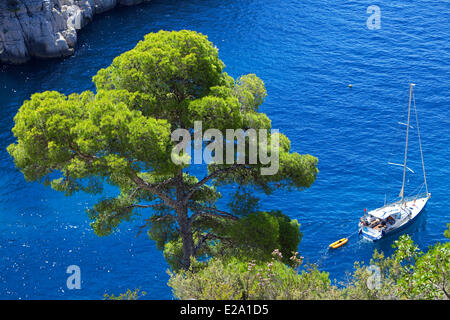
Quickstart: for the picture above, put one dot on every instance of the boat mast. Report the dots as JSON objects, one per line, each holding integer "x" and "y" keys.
{"x": 420, "y": 145}
{"x": 402, "y": 191}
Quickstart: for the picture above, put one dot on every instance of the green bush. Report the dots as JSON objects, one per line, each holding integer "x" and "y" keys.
{"x": 235, "y": 278}
{"x": 407, "y": 274}
{"x": 128, "y": 295}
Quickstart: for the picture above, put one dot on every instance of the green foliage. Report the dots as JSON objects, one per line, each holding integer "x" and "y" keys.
{"x": 238, "y": 278}
{"x": 289, "y": 235}
{"x": 121, "y": 135}
{"x": 431, "y": 276}
{"x": 259, "y": 234}
{"x": 447, "y": 232}
{"x": 173, "y": 253}
{"x": 128, "y": 295}
{"x": 251, "y": 91}
{"x": 84, "y": 136}
{"x": 164, "y": 68}
{"x": 243, "y": 203}
{"x": 407, "y": 274}
{"x": 257, "y": 230}
{"x": 358, "y": 289}
{"x": 162, "y": 230}
{"x": 295, "y": 171}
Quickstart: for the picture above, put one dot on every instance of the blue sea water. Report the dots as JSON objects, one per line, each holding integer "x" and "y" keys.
{"x": 307, "y": 53}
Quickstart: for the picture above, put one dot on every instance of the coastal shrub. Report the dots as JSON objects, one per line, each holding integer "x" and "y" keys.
{"x": 447, "y": 232}
{"x": 128, "y": 295}
{"x": 407, "y": 274}
{"x": 237, "y": 278}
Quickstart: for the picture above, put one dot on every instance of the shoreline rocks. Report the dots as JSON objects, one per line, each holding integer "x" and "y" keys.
{"x": 46, "y": 28}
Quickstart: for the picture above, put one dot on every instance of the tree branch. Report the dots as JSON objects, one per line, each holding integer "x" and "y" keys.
{"x": 147, "y": 206}
{"x": 139, "y": 181}
{"x": 154, "y": 189}
{"x": 148, "y": 221}
{"x": 206, "y": 237}
{"x": 209, "y": 177}
{"x": 204, "y": 212}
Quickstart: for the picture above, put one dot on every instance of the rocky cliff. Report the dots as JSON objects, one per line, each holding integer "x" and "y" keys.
{"x": 46, "y": 28}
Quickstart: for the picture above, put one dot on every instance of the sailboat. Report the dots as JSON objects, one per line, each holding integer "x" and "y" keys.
{"x": 375, "y": 224}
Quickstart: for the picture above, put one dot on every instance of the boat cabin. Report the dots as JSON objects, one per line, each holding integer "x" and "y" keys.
{"x": 381, "y": 218}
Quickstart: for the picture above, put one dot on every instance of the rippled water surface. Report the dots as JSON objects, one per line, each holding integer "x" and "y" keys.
{"x": 307, "y": 53}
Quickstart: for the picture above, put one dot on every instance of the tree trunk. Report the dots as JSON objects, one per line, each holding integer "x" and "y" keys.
{"x": 184, "y": 223}
{"x": 186, "y": 236}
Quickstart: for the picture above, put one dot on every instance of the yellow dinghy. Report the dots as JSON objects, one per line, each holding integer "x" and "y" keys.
{"x": 338, "y": 243}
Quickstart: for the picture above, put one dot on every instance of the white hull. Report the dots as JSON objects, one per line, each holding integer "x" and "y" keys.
{"x": 405, "y": 214}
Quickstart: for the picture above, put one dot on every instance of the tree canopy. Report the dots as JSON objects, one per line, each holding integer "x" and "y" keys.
{"x": 121, "y": 135}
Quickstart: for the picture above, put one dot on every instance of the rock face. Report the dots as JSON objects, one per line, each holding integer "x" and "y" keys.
{"x": 46, "y": 28}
